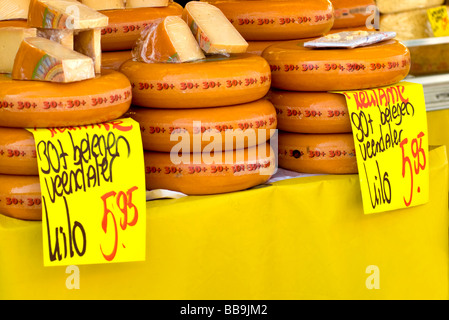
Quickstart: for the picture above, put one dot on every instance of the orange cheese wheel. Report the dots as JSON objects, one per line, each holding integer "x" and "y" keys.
{"x": 14, "y": 23}
{"x": 213, "y": 82}
{"x": 353, "y": 13}
{"x": 297, "y": 68}
{"x": 317, "y": 153}
{"x": 257, "y": 47}
{"x": 17, "y": 152}
{"x": 311, "y": 112}
{"x": 361, "y": 28}
{"x": 279, "y": 20}
{"x": 20, "y": 197}
{"x": 238, "y": 170}
{"x": 113, "y": 60}
{"x": 29, "y": 104}
{"x": 125, "y": 25}
{"x": 245, "y": 125}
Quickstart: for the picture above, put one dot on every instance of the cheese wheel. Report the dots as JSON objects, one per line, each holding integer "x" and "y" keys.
{"x": 353, "y": 13}
{"x": 231, "y": 171}
{"x": 257, "y": 47}
{"x": 20, "y": 197}
{"x": 297, "y": 68}
{"x": 114, "y": 59}
{"x": 22, "y": 23}
{"x": 17, "y": 152}
{"x": 279, "y": 20}
{"x": 317, "y": 153}
{"x": 393, "y": 6}
{"x": 216, "y": 81}
{"x": 354, "y": 29}
{"x": 125, "y": 25}
{"x": 29, "y": 104}
{"x": 223, "y": 128}
{"x": 311, "y": 112}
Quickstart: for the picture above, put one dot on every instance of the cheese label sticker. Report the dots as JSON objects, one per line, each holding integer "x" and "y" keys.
{"x": 439, "y": 21}
{"x": 93, "y": 193}
{"x": 389, "y": 126}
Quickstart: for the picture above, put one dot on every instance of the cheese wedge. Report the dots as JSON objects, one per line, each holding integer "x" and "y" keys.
{"x": 169, "y": 41}
{"x": 10, "y": 40}
{"x": 14, "y": 9}
{"x": 45, "y": 60}
{"x": 213, "y": 31}
{"x": 146, "y": 3}
{"x": 104, "y": 4}
{"x": 63, "y": 36}
{"x": 88, "y": 42}
{"x": 64, "y": 14}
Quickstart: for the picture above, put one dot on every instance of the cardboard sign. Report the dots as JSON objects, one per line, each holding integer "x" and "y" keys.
{"x": 439, "y": 21}
{"x": 389, "y": 126}
{"x": 93, "y": 193}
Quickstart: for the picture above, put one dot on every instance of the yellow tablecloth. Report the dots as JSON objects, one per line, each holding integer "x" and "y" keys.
{"x": 303, "y": 238}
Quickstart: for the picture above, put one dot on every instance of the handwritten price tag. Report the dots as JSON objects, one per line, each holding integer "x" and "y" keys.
{"x": 389, "y": 126}
{"x": 439, "y": 21}
{"x": 93, "y": 193}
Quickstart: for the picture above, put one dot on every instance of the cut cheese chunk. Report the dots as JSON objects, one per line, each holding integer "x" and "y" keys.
{"x": 394, "y": 6}
{"x": 353, "y": 13}
{"x": 146, "y": 3}
{"x": 14, "y": 9}
{"x": 297, "y": 68}
{"x": 104, "y": 4}
{"x": 62, "y": 36}
{"x": 317, "y": 153}
{"x": 211, "y": 28}
{"x": 29, "y": 104}
{"x": 45, "y": 60}
{"x": 168, "y": 41}
{"x": 64, "y": 14}
{"x": 10, "y": 40}
{"x": 88, "y": 42}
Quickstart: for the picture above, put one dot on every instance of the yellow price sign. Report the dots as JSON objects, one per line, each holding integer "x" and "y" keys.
{"x": 439, "y": 21}
{"x": 389, "y": 127}
{"x": 93, "y": 193}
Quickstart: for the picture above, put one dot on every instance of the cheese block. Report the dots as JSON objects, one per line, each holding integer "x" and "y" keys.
{"x": 104, "y": 4}
{"x": 125, "y": 26}
{"x": 205, "y": 174}
{"x": 88, "y": 42}
{"x": 45, "y": 60}
{"x": 17, "y": 152}
{"x": 257, "y": 47}
{"x": 10, "y": 41}
{"x": 64, "y": 14}
{"x": 279, "y": 20}
{"x": 221, "y": 128}
{"x": 170, "y": 40}
{"x": 311, "y": 112}
{"x": 146, "y": 3}
{"x": 14, "y": 9}
{"x": 394, "y": 6}
{"x": 61, "y": 36}
{"x": 297, "y": 68}
{"x": 213, "y": 82}
{"x": 29, "y": 104}
{"x": 353, "y": 13}
{"x": 317, "y": 153}
{"x": 20, "y": 197}
{"x": 113, "y": 60}
{"x": 14, "y": 23}
{"x": 212, "y": 30}
{"x": 409, "y": 25}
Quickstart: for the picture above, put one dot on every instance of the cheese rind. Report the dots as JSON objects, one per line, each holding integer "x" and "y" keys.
{"x": 45, "y": 60}
{"x": 14, "y": 9}
{"x": 351, "y": 13}
{"x": 18, "y": 156}
{"x": 64, "y": 14}
{"x": 113, "y": 60}
{"x": 88, "y": 42}
{"x": 212, "y": 30}
{"x": 146, "y": 3}
{"x": 170, "y": 40}
{"x": 104, "y": 4}
{"x": 10, "y": 41}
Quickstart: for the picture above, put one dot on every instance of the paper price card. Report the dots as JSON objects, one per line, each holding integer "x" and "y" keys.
{"x": 439, "y": 21}
{"x": 389, "y": 126}
{"x": 93, "y": 193}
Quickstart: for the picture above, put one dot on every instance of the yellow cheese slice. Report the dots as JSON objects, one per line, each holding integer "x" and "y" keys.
{"x": 88, "y": 42}
{"x": 10, "y": 40}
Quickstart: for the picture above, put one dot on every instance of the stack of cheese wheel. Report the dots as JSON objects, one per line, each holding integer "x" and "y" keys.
{"x": 201, "y": 106}
{"x": 127, "y": 19}
{"x": 44, "y": 84}
{"x": 315, "y": 129}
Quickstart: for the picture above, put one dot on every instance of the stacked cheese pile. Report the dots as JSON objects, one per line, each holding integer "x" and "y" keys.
{"x": 197, "y": 94}
{"x": 316, "y": 135}
{"x": 49, "y": 83}
{"x": 127, "y": 19}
